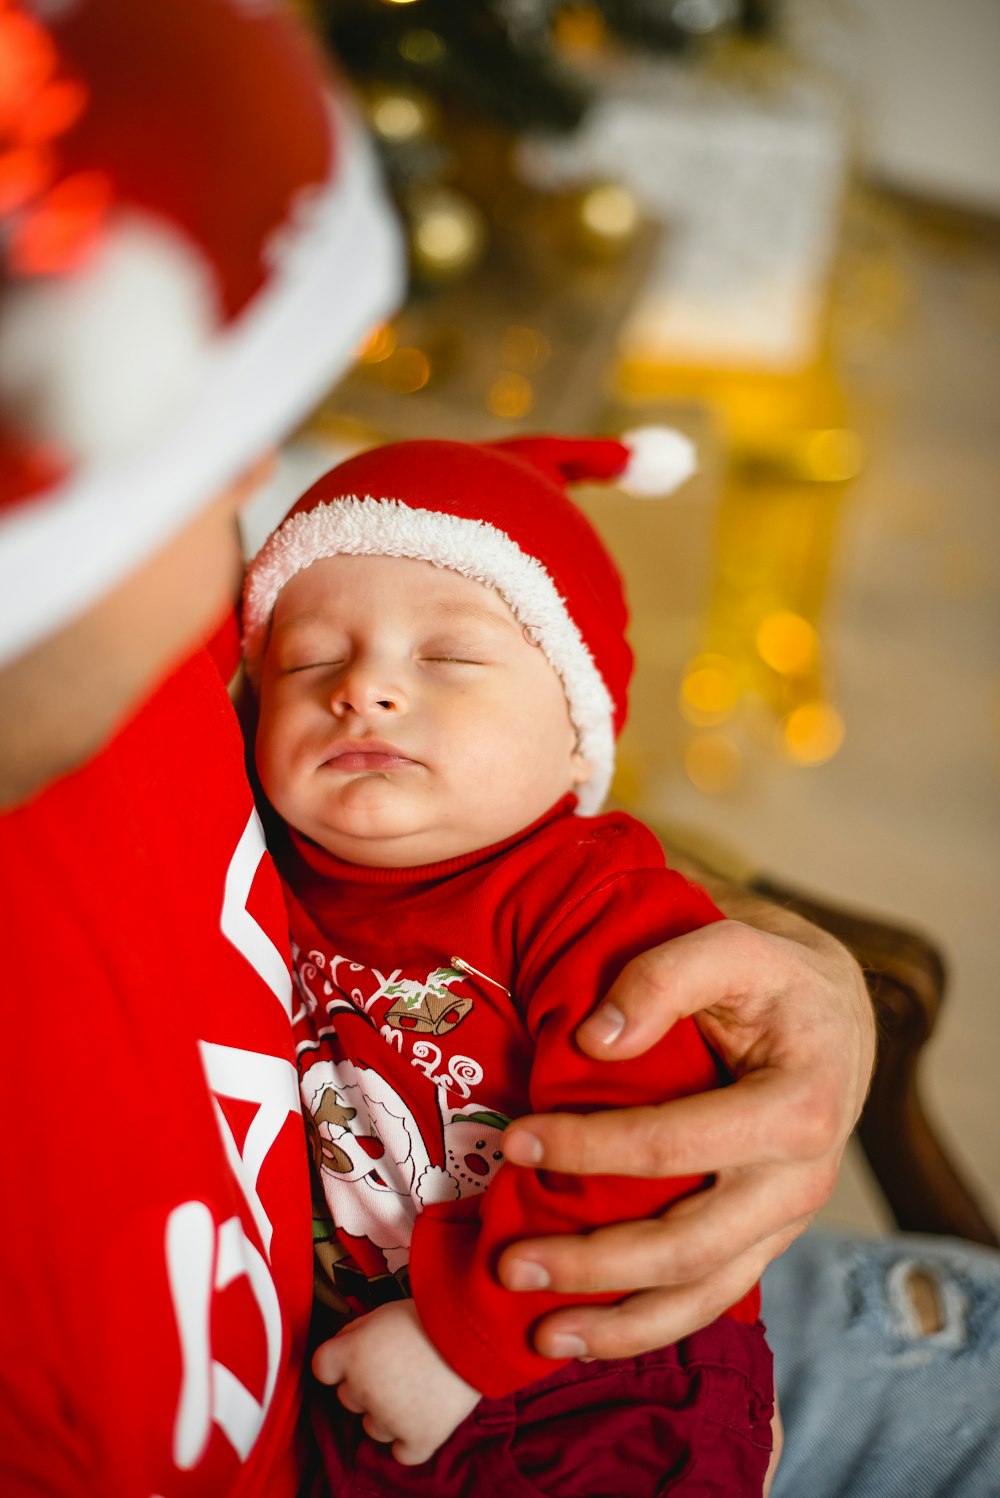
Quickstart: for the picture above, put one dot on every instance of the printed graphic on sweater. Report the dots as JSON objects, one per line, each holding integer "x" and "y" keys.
{"x": 420, "y": 1006}
{"x": 427, "y": 1008}
{"x": 378, "y": 1162}
{"x": 378, "y": 1170}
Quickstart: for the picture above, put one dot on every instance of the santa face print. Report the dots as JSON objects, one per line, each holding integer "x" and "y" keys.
{"x": 405, "y": 715}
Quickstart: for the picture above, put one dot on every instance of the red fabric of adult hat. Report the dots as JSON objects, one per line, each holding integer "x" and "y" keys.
{"x": 181, "y": 76}
{"x": 192, "y": 241}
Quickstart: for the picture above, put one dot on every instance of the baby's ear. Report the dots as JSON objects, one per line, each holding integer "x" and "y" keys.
{"x": 580, "y": 768}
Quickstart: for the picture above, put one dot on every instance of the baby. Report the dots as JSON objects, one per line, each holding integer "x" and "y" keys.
{"x": 437, "y": 636}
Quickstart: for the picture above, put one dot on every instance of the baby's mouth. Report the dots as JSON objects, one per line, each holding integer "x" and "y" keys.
{"x": 363, "y": 755}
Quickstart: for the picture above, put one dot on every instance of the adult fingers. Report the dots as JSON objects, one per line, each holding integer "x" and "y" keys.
{"x": 767, "y": 1116}
{"x": 694, "y": 1238}
{"x": 684, "y": 976}
{"x": 654, "y": 1318}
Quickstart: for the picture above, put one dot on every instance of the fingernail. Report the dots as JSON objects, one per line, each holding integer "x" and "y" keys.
{"x": 522, "y": 1148}
{"x": 606, "y": 1024}
{"x": 525, "y": 1274}
{"x": 567, "y": 1345}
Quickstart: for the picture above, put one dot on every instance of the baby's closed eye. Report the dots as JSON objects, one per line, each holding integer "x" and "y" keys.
{"x": 293, "y": 669}
{"x": 296, "y": 650}
{"x": 454, "y": 653}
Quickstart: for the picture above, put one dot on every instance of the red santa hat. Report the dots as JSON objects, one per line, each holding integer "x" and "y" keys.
{"x": 498, "y": 513}
{"x": 193, "y": 240}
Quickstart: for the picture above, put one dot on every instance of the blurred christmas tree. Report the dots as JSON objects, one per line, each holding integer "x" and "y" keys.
{"x": 670, "y": 261}
{"x": 450, "y": 84}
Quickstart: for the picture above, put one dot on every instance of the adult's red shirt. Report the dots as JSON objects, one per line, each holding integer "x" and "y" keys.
{"x": 156, "y": 1263}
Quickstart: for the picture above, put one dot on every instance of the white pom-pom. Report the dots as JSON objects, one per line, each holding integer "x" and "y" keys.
{"x": 98, "y": 360}
{"x": 660, "y": 460}
{"x": 436, "y": 1185}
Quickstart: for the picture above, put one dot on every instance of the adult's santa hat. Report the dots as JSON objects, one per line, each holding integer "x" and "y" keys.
{"x": 498, "y": 513}
{"x": 193, "y": 239}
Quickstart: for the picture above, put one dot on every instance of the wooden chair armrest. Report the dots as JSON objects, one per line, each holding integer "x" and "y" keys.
{"x": 906, "y": 977}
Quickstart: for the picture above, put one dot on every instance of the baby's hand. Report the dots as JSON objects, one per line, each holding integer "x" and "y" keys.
{"x": 387, "y": 1369}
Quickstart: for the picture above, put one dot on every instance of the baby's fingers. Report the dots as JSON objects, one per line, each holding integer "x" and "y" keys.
{"x": 410, "y": 1452}
{"x": 329, "y": 1362}
{"x": 378, "y": 1432}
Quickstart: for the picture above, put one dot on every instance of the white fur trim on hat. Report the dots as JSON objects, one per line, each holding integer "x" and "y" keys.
{"x": 660, "y": 460}
{"x": 482, "y": 552}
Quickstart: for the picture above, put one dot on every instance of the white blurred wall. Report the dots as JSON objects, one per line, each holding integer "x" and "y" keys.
{"x": 929, "y": 84}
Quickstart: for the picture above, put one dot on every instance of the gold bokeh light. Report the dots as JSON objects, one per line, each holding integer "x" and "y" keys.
{"x": 787, "y": 643}
{"x": 834, "y": 455}
{"x": 609, "y": 211}
{"x": 812, "y": 733}
{"x": 524, "y": 348}
{"x": 710, "y": 690}
{"x": 406, "y": 371}
{"x": 510, "y": 395}
{"x": 400, "y": 116}
{"x": 421, "y": 46}
{"x": 713, "y": 763}
{"x": 379, "y": 344}
{"x": 448, "y": 233}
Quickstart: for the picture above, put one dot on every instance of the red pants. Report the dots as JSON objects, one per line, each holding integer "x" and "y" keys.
{"x": 693, "y": 1419}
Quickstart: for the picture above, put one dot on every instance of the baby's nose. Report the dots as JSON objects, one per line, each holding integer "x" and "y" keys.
{"x": 342, "y": 705}
{"x": 366, "y": 692}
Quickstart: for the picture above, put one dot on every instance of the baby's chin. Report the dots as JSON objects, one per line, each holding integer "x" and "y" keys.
{"x": 393, "y": 840}
{"x": 377, "y": 824}
{"x": 375, "y": 832}
{"x": 397, "y": 849}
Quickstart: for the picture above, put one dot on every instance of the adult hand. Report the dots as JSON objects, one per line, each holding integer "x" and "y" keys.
{"x": 387, "y": 1369}
{"x": 788, "y": 1012}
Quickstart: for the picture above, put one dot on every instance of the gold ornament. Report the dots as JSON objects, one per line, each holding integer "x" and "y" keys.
{"x": 579, "y": 32}
{"x": 600, "y": 221}
{"x": 422, "y": 47}
{"x": 447, "y": 233}
{"x": 400, "y": 116}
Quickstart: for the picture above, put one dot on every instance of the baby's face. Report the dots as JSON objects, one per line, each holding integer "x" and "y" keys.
{"x": 404, "y": 716}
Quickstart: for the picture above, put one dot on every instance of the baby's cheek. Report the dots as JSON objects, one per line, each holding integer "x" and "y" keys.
{"x": 275, "y": 766}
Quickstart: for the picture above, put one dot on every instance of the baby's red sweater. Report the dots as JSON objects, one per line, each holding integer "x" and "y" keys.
{"x": 440, "y": 1002}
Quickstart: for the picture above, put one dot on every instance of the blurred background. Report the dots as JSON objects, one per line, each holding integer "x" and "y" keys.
{"x": 776, "y": 226}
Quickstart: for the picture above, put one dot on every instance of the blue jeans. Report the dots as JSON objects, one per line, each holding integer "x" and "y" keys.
{"x": 879, "y": 1401}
